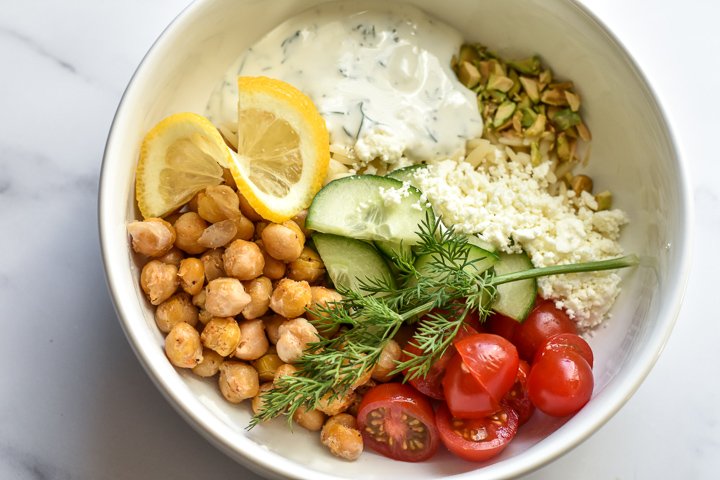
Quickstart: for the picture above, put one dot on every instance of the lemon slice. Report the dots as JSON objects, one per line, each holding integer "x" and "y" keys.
{"x": 179, "y": 157}
{"x": 283, "y": 148}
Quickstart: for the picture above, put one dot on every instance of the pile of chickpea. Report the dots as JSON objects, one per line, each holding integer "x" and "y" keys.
{"x": 231, "y": 292}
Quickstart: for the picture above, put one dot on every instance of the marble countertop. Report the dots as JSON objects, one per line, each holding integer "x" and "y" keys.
{"x": 76, "y": 404}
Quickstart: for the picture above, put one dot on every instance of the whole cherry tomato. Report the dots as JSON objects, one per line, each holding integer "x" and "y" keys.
{"x": 563, "y": 342}
{"x": 560, "y": 383}
{"x": 543, "y": 322}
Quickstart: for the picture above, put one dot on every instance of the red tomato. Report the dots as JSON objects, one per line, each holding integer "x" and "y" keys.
{"x": 478, "y": 439}
{"x": 480, "y": 375}
{"x": 397, "y": 421}
{"x": 501, "y": 325}
{"x": 560, "y": 383}
{"x": 518, "y": 397}
{"x": 431, "y": 384}
{"x": 543, "y": 322}
{"x": 563, "y": 342}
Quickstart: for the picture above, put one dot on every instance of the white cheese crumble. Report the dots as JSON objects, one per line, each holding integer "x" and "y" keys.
{"x": 508, "y": 205}
{"x": 394, "y": 196}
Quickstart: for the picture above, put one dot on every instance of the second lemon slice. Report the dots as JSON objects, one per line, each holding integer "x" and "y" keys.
{"x": 283, "y": 148}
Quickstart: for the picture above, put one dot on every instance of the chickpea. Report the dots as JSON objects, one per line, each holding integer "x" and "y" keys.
{"x": 225, "y": 200}
{"x": 260, "y": 290}
{"x": 285, "y": 370}
{"x": 192, "y": 205}
{"x": 332, "y": 404}
{"x": 238, "y": 381}
{"x": 173, "y": 256}
{"x": 342, "y": 441}
{"x": 243, "y": 260}
{"x": 159, "y": 281}
{"x": 359, "y": 395}
{"x": 222, "y": 335}
{"x": 290, "y": 298}
{"x": 225, "y": 297}
{"x": 267, "y": 365}
{"x": 183, "y": 347}
{"x": 210, "y": 364}
{"x": 192, "y": 275}
{"x": 344, "y": 419}
{"x": 274, "y": 269}
{"x": 283, "y": 241}
{"x": 199, "y": 299}
{"x": 312, "y": 420}
{"x": 387, "y": 362}
{"x": 248, "y": 210}
{"x": 294, "y": 335}
{"x": 323, "y": 297}
{"x": 257, "y": 401}
{"x": 213, "y": 264}
{"x": 308, "y": 266}
{"x": 174, "y": 310}
{"x": 245, "y": 228}
{"x": 153, "y": 237}
{"x": 188, "y": 228}
{"x": 299, "y": 219}
{"x": 218, "y": 234}
{"x": 253, "y": 344}
{"x": 207, "y": 209}
{"x": 272, "y": 327}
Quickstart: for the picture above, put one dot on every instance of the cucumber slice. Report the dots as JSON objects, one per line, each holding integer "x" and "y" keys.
{"x": 354, "y": 207}
{"x": 479, "y": 242}
{"x": 394, "y": 250}
{"x": 483, "y": 261}
{"x": 406, "y": 174}
{"x": 349, "y": 261}
{"x": 515, "y": 299}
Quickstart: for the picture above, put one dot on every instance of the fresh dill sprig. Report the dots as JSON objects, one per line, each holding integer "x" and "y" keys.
{"x": 438, "y": 298}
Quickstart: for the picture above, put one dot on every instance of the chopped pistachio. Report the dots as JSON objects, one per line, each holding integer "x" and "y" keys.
{"x": 528, "y": 66}
{"x": 604, "y": 200}
{"x": 503, "y": 113}
{"x": 496, "y": 95}
{"x": 553, "y": 97}
{"x": 581, "y": 183}
{"x": 583, "y": 131}
{"x": 562, "y": 147}
{"x": 531, "y": 88}
{"x": 517, "y": 120}
{"x": 573, "y": 99}
{"x": 535, "y": 155}
{"x": 524, "y": 101}
{"x": 468, "y": 74}
{"x": 528, "y": 116}
{"x": 499, "y": 82}
{"x": 537, "y": 127}
{"x": 545, "y": 78}
{"x": 499, "y": 69}
{"x": 468, "y": 53}
{"x": 565, "y": 119}
{"x": 561, "y": 86}
{"x": 484, "y": 68}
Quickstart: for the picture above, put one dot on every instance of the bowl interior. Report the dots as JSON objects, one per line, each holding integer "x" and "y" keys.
{"x": 633, "y": 155}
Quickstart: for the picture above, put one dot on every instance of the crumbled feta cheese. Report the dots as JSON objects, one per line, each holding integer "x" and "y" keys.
{"x": 508, "y": 205}
{"x": 394, "y": 196}
{"x": 379, "y": 143}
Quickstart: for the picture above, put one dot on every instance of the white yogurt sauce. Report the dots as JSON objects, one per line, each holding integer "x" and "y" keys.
{"x": 380, "y": 76}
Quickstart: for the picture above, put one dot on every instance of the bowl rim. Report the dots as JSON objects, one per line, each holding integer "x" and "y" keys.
{"x": 562, "y": 440}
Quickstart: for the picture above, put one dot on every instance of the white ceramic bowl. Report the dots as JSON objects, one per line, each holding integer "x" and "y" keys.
{"x": 633, "y": 155}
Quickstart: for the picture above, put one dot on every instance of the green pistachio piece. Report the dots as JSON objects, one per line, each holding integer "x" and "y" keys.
{"x": 468, "y": 74}
{"x": 583, "y": 131}
{"x": 565, "y": 119}
{"x": 581, "y": 183}
{"x": 535, "y": 156}
{"x": 499, "y": 82}
{"x": 545, "y": 78}
{"x": 604, "y": 200}
{"x": 528, "y": 66}
{"x": 513, "y": 92}
{"x": 496, "y": 95}
{"x": 528, "y": 116}
{"x": 562, "y": 148}
{"x": 516, "y": 120}
{"x": 537, "y": 127}
{"x": 503, "y": 113}
{"x": 468, "y": 53}
{"x": 524, "y": 101}
{"x": 531, "y": 88}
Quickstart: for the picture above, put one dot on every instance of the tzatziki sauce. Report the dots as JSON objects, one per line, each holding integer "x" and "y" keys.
{"x": 379, "y": 74}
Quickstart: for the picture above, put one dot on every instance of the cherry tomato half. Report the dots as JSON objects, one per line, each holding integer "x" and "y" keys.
{"x": 431, "y": 384}
{"x": 398, "y": 422}
{"x": 543, "y": 322}
{"x": 480, "y": 439}
{"x": 560, "y": 383}
{"x": 480, "y": 375}
{"x": 518, "y": 397}
{"x": 563, "y": 342}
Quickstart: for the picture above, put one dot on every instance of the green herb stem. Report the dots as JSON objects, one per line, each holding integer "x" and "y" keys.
{"x": 610, "y": 264}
